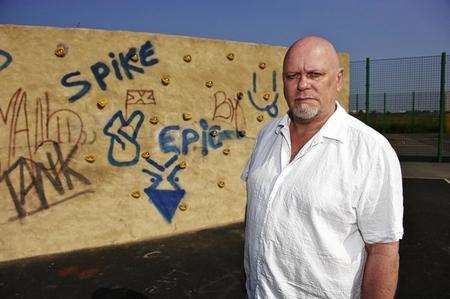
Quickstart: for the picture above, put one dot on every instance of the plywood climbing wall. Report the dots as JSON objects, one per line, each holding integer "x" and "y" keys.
{"x": 112, "y": 137}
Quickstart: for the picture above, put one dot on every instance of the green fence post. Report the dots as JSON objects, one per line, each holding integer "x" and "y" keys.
{"x": 385, "y": 125}
{"x": 357, "y": 104}
{"x": 367, "y": 89}
{"x": 441, "y": 108}
{"x": 413, "y": 111}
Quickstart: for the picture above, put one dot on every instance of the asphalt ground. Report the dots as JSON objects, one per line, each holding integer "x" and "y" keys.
{"x": 209, "y": 263}
{"x": 419, "y": 147}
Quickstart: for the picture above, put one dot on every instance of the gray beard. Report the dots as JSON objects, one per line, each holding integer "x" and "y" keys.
{"x": 304, "y": 113}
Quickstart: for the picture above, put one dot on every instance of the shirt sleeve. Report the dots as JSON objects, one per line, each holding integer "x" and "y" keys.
{"x": 244, "y": 174}
{"x": 246, "y": 171}
{"x": 380, "y": 207}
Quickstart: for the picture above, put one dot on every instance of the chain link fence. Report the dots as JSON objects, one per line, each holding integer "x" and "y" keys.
{"x": 407, "y": 100}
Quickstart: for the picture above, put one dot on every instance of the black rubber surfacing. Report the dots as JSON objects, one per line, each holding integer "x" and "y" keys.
{"x": 209, "y": 263}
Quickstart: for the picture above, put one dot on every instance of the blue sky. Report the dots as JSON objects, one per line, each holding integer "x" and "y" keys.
{"x": 376, "y": 29}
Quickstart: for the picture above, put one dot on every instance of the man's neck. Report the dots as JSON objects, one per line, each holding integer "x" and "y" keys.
{"x": 308, "y": 128}
{"x": 301, "y": 132}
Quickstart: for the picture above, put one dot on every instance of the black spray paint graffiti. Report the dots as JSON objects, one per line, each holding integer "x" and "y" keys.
{"x": 272, "y": 108}
{"x": 138, "y": 98}
{"x": 229, "y": 109}
{"x": 8, "y": 59}
{"x": 35, "y": 173}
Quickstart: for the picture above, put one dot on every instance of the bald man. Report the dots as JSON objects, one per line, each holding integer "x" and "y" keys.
{"x": 324, "y": 193}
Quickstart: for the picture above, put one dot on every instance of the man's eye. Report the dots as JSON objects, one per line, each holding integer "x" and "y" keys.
{"x": 291, "y": 76}
{"x": 314, "y": 75}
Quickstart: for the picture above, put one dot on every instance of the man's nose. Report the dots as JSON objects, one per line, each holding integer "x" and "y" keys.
{"x": 302, "y": 83}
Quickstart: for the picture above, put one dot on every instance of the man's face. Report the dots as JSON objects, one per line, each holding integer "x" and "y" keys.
{"x": 312, "y": 79}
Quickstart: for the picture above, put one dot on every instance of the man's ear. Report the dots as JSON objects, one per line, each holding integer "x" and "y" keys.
{"x": 340, "y": 79}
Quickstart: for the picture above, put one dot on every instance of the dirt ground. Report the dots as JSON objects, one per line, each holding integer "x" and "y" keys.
{"x": 208, "y": 264}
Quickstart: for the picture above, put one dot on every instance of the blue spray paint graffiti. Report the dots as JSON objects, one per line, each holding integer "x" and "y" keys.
{"x": 272, "y": 108}
{"x": 165, "y": 200}
{"x": 167, "y": 141}
{"x": 8, "y": 59}
{"x": 124, "y": 133}
{"x": 101, "y": 70}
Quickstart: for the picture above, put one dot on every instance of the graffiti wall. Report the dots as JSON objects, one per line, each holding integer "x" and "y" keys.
{"x": 114, "y": 137}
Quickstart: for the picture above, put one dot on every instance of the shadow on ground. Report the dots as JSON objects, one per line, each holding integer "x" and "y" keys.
{"x": 208, "y": 264}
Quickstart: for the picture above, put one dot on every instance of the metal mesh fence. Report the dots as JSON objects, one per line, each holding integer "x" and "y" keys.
{"x": 401, "y": 98}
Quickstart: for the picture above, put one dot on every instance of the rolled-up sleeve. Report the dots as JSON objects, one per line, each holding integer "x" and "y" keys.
{"x": 380, "y": 207}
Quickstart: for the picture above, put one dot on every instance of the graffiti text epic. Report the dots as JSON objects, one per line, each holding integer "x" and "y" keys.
{"x": 167, "y": 141}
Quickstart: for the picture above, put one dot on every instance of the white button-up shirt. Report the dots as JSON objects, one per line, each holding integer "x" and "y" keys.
{"x": 307, "y": 221}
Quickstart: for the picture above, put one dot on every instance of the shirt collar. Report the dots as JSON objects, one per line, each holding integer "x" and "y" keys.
{"x": 282, "y": 123}
{"x": 332, "y": 129}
